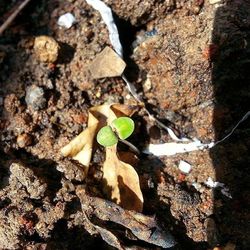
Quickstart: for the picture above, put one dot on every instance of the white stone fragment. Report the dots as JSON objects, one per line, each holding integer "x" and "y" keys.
{"x": 197, "y": 186}
{"x": 173, "y": 148}
{"x": 147, "y": 84}
{"x": 214, "y": 1}
{"x": 215, "y": 184}
{"x": 185, "y": 167}
{"x": 66, "y": 20}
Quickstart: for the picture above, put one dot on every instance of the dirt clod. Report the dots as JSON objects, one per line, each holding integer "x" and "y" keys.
{"x": 25, "y": 178}
{"x": 11, "y": 103}
{"x": 9, "y": 229}
{"x": 72, "y": 170}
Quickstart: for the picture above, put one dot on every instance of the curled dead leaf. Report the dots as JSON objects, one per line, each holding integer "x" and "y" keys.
{"x": 80, "y": 148}
{"x": 109, "y": 237}
{"x": 106, "y": 235}
{"x": 143, "y": 227}
{"x": 123, "y": 110}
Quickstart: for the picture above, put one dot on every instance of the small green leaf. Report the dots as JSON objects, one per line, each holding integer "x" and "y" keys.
{"x": 124, "y": 127}
{"x": 106, "y": 137}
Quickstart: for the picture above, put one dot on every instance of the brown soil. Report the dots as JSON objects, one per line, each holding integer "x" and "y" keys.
{"x": 192, "y": 72}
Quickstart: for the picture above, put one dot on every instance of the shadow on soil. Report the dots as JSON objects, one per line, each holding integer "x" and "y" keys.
{"x": 75, "y": 238}
{"x": 230, "y": 56}
{"x": 155, "y": 205}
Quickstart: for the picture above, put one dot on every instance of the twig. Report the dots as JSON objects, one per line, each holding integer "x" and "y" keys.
{"x": 10, "y": 19}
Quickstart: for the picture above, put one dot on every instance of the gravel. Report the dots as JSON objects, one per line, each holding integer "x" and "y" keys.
{"x": 35, "y": 97}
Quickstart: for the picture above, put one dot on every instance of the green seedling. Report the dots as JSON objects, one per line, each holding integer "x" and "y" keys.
{"x": 121, "y": 128}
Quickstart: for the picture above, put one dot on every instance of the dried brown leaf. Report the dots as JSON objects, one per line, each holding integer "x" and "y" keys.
{"x": 143, "y": 227}
{"x": 109, "y": 237}
{"x": 106, "y": 235}
{"x": 121, "y": 182}
{"x": 123, "y": 110}
{"x": 80, "y": 148}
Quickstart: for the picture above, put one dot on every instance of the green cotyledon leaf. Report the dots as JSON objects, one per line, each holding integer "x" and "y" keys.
{"x": 106, "y": 137}
{"x": 123, "y": 126}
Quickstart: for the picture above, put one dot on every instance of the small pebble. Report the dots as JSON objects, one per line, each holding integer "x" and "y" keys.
{"x": 11, "y": 103}
{"x": 214, "y": 1}
{"x": 107, "y": 64}
{"x": 46, "y": 49}
{"x": 185, "y": 167}
{"x": 35, "y": 97}
{"x": 79, "y": 118}
{"x": 24, "y": 140}
{"x": 152, "y": 32}
{"x": 181, "y": 177}
{"x": 66, "y": 20}
{"x": 128, "y": 96}
{"x": 147, "y": 84}
{"x": 213, "y": 184}
{"x": 197, "y": 186}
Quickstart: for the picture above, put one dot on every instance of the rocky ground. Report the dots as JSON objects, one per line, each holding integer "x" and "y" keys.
{"x": 189, "y": 61}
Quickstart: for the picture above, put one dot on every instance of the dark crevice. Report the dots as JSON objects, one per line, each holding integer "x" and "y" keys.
{"x": 127, "y": 34}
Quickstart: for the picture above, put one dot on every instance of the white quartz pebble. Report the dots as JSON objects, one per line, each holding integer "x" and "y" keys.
{"x": 185, "y": 167}
{"x": 66, "y": 20}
